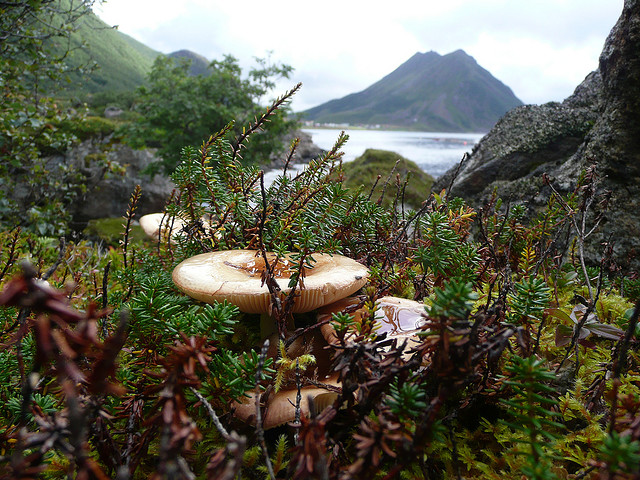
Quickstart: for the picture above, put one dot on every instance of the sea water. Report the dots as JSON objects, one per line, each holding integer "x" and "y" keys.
{"x": 433, "y": 152}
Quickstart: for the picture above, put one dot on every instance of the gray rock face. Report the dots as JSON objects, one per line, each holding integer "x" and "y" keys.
{"x": 305, "y": 151}
{"x": 598, "y": 125}
{"x": 108, "y": 194}
{"x": 526, "y": 142}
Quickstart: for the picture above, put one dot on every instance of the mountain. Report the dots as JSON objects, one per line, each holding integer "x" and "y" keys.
{"x": 429, "y": 92}
{"x": 199, "y": 65}
{"x": 123, "y": 63}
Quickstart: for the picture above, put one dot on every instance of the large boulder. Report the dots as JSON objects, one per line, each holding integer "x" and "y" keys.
{"x": 598, "y": 125}
{"x": 363, "y": 171}
{"x": 305, "y": 151}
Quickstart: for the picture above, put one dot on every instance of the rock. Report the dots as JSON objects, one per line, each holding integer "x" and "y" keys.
{"x": 103, "y": 173}
{"x": 527, "y": 141}
{"x": 364, "y": 170}
{"x": 106, "y": 193}
{"x": 305, "y": 152}
{"x": 598, "y": 125}
{"x": 112, "y": 112}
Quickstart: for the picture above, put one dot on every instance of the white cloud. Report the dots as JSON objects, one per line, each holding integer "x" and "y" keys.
{"x": 542, "y": 49}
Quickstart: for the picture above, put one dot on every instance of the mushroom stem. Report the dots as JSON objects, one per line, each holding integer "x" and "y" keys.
{"x": 268, "y": 325}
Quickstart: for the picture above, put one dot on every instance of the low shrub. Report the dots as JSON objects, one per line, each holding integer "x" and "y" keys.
{"x": 107, "y": 369}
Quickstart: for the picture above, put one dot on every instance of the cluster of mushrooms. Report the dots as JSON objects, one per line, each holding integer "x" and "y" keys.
{"x": 328, "y": 288}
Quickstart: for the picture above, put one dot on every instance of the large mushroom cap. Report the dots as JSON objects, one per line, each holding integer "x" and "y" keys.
{"x": 236, "y": 276}
{"x": 398, "y": 317}
{"x": 281, "y": 406}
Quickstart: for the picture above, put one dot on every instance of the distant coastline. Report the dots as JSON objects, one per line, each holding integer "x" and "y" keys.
{"x": 434, "y": 152}
{"x": 375, "y": 127}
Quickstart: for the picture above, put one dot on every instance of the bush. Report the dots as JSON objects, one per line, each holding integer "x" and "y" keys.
{"x": 107, "y": 369}
{"x": 178, "y": 110}
{"x": 88, "y": 127}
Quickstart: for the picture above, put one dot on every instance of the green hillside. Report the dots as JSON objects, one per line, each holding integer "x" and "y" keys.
{"x": 122, "y": 62}
{"x": 428, "y": 92}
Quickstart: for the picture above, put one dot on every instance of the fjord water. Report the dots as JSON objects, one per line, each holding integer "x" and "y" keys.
{"x": 433, "y": 152}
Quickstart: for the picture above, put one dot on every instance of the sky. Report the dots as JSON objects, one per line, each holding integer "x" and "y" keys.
{"x": 541, "y": 49}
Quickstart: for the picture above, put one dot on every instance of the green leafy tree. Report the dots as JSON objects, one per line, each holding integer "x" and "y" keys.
{"x": 34, "y": 46}
{"x": 178, "y": 109}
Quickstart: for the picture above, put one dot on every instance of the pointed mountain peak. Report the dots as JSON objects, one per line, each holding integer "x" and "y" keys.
{"x": 460, "y": 55}
{"x": 429, "y": 92}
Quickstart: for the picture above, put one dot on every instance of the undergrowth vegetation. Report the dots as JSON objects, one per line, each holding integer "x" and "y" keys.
{"x": 527, "y": 364}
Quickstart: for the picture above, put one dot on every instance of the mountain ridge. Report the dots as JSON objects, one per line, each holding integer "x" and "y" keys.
{"x": 123, "y": 62}
{"x": 427, "y": 92}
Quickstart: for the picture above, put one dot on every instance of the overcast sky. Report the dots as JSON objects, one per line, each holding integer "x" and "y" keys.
{"x": 542, "y": 49}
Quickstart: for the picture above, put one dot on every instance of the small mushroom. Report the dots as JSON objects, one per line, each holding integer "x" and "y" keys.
{"x": 152, "y": 223}
{"x": 236, "y": 276}
{"x": 398, "y": 317}
{"x": 281, "y": 406}
{"x": 163, "y": 223}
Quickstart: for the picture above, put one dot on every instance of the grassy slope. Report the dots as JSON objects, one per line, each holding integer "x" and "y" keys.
{"x": 123, "y": 63}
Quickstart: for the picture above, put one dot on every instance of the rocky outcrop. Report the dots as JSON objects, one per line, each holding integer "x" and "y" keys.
{"x": 107, "y": 190}
{"x": 598, "y": 125}
{"x": 526, "y": 142}
{"x": 305, "y": 151}
{"x": 110, "y": 174}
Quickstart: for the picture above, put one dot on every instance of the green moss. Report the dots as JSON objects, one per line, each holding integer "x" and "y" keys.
{"x": 110, "y": 230}
{"x": 88, "y": 127}
{"x": 364, "y": 170}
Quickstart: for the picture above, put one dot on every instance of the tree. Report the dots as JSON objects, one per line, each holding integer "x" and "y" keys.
{"x": 34, "y": 44}
{"x": 178, "y": 110}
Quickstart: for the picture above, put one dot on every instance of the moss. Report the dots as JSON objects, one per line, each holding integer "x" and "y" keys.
{"x": 110, "y": 231}
{"x": 364, "y": 170}
{"x": 94, "y": 158}
{"x": 88, "y": 127}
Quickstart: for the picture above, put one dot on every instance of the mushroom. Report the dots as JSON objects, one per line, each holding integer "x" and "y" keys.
{"x": 398, "y": 317}
{"x": 153, "y": 223}
{"x": 236, "y": 276}
{"x": 281, "y": 406}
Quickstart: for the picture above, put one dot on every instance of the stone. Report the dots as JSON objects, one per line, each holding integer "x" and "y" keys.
{"x": 112, "y": 112}
{"x": 599, "y": 124}
{"x": 305, "y": 152}
{"x": 107, "y": 194}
